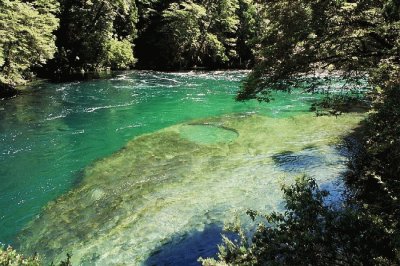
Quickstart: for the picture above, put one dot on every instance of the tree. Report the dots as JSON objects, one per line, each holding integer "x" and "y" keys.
{"x": 355, "y": 38}
{"x": 201, "y": 34}
{"x": 26, "y": 37}
{"x": 223, "y": 26}
{"x": 306, "y": 37}
{"x": 247, "y": 32}
{"x": 184, "y": 24}
{"x": 184, "y": 34}
{"x": 95, "y": 35}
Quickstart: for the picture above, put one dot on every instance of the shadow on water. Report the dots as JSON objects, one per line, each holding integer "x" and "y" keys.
{"x": 298, "y": 162}
{"x": 187, "y": 251}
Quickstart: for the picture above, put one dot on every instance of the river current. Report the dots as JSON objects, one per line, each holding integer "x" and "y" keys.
{"x": 145, "y": 168}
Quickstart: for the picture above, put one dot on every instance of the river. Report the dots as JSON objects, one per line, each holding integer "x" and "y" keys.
{"x": 144, "y": 168}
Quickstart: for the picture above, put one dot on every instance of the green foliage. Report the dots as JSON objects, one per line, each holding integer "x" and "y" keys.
{"x": 119, "y": 54}
{"x": 305, "y": 37}
{"x": 184, "y": 24}
{"x": 248, "y": 29}
{"x": 26, "y": 37}
{"x": 310, "y": 232}
{"x": 184, "y": 34}
{"x": 376, "y": 175}
{"x": 352, "y": 38}
{"x": 94, "y": 35}
{"x": 9, "y": 257}
{"x": 199, "y": 34}
{"x": 224, "y": 24}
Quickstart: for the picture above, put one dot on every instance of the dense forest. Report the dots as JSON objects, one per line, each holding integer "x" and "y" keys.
{"x": 283, "y": 42}
{"x": 58, "y": 38}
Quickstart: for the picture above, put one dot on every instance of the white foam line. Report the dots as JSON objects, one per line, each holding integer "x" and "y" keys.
{"x": 127, "y": 127}
{"x": 93, "y": 109}
{"x": 56, "y": 117}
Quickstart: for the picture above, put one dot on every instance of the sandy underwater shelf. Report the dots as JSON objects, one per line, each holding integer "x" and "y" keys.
{"x": 183, "y": 178}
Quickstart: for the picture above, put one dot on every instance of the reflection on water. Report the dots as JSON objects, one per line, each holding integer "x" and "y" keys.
{"x": 162, "y": 187}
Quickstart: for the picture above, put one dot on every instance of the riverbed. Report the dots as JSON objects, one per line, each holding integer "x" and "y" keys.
{"x": 145, "y": 168}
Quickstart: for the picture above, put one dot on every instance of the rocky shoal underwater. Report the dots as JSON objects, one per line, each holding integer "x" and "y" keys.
{"x": 164, "y": 185}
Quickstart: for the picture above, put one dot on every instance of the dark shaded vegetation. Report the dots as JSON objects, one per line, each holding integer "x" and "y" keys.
{"x": 10, "y": 257}
{"x": 59, "y": 38}
{"x": 311, "y": 232}
{"x": 377, "y": 169}
{"x": 187, "y": 34}
{"x": 312, "y": 38}
{"x": 290, "y": 43}
{"x": 94, "y": 35}
{"x": 353, "y": 38}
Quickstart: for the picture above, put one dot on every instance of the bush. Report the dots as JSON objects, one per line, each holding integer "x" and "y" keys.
{"x": 310, "y": 232}
{"x": 10, "y": 257}
{"x": 119, "y": 54}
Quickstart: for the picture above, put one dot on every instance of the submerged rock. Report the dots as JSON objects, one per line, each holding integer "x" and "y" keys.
{"x": 171, "y": 182}
{"x": 208, "y": 133}
{"x": 7, "y": 91}
{"x": 299, "y": 162}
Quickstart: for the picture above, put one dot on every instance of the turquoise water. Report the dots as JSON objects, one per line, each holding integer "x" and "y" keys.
{"x": 53, "y": 137}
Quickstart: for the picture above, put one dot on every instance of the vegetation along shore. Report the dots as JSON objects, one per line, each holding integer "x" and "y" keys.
{"x": 343, "y": 54}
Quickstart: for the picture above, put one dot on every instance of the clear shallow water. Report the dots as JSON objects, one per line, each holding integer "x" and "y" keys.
{"x": 162, "y": 187}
